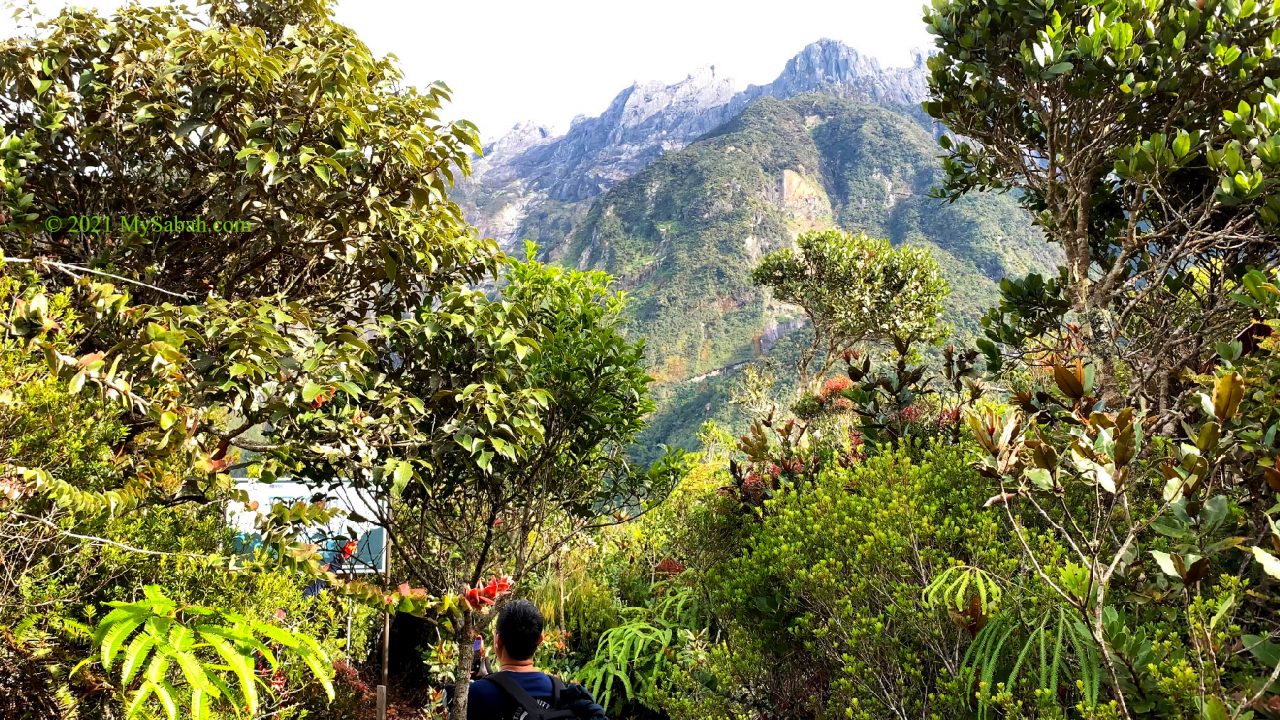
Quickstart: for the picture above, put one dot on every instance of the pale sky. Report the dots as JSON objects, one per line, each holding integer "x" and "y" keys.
{"x": 549, "y": 60}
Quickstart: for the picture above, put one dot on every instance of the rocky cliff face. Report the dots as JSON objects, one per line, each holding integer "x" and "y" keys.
{"x": 528, "y": 173}
{"x": 833, "y": 68}
{"x": 640, "y": 124}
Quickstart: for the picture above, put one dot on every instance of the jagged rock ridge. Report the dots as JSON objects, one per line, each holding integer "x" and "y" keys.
{"x": 528, "y": 171}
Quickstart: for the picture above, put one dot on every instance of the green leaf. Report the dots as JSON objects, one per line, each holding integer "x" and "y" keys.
{"x": 1270, "y": 563}
{"x": 1167, "y": 564}
{"x": 349, "y": 388}
{"x": 1267, "y": 652}
{"x": 1041, "y": 478}
{"x": 401, "y": 477}
{"x": 311, "y": 391}
{"x": 192, "y": 670}
{"x": 139, "y": 700}
{"x": 114, "y": 634}
{"x": 320, "y": 668}
{"x": 241, "y": 665}
{"x": 279, "y": 635}
{"x": 199, "y": 705}
{"x": 1182, "y": 145}
{"x": 134, "y": 656}
{"x": 1214, "y": 709}
{"x": 162, "y": 692}
{"x": 1058, "y": 69}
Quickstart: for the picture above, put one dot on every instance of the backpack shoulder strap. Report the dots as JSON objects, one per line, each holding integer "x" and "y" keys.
{"x": 556, "y": 687}
{"x": 508, "y": 685}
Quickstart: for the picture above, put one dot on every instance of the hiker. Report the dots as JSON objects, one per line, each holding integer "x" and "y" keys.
{"x": 519, "y": 691}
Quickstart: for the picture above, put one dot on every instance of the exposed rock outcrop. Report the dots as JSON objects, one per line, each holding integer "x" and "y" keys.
{"x": 528, "y": 167}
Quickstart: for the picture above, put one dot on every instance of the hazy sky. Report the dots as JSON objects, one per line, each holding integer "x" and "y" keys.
{"x": 549, "y": 60}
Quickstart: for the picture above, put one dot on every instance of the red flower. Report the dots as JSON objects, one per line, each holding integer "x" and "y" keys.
{"x": 480, "y": 596}
{"x": 833, "y": 387}
{"x": 670, "y": 566}
{"x": 753, "y": 489}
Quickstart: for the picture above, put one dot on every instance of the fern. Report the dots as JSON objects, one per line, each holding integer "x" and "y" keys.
{"x": 1051, "y": 649}
{"x": 952, "y": 589}
{"x": 636, "y": 654}
{"x": 213, "y": 651}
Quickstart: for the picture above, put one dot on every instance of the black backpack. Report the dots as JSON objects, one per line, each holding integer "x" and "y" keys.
{"x": 531, "y": 708}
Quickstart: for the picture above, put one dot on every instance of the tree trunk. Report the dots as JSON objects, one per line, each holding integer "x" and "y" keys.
{"x": 462, "y": 668}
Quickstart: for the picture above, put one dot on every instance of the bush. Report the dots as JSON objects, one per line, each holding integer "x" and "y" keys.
{"x": 823, "y": 605}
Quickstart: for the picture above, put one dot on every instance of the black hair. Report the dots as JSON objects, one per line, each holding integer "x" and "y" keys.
{"x": 520, "y": 627}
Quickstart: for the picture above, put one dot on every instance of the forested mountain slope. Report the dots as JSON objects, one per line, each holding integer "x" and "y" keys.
{"x": 679, "y": 189}
{"x": 683, "y": 234}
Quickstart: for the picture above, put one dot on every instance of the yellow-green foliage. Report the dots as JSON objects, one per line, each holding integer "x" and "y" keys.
{"x": 827, "y": 591}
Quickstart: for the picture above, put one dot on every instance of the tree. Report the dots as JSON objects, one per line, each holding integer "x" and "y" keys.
{"x": 266, "y": 113}
{"x": 340, "y": 339}
{"x": 854, "y": 289}
{"x": 528, "y": 495}
{"x": 303, "y": 338}
{"x": 64, "y": 556}
{"x": 1183, "y": 521}
{"x": 1140, "y": 134}
{"x": 261, "y": 113}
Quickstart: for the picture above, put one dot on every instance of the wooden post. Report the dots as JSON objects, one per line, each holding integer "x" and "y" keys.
{"x": 386, "y": 643}
{"x": 386, "y": 619}
{"x": 382, "y": 702}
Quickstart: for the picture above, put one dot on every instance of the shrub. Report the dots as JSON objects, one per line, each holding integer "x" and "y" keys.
{"x": 823, "y": 605}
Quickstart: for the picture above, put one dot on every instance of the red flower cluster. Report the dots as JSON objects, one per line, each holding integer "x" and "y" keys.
{"x": 910, "y": 413}
{"x": 857, "y": 451}
{"x": 669, "y": 566}
{"x": 351, "y": 688}
{"x": 833, "y": 387}
{"x": 855, "y": 440}
{"x": 949, "y": 417}
{"x": 753, "y": 489}
{"x": 478, "y": 597}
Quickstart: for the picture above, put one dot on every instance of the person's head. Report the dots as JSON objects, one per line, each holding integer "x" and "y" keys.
{"x": 518, "y": 632}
